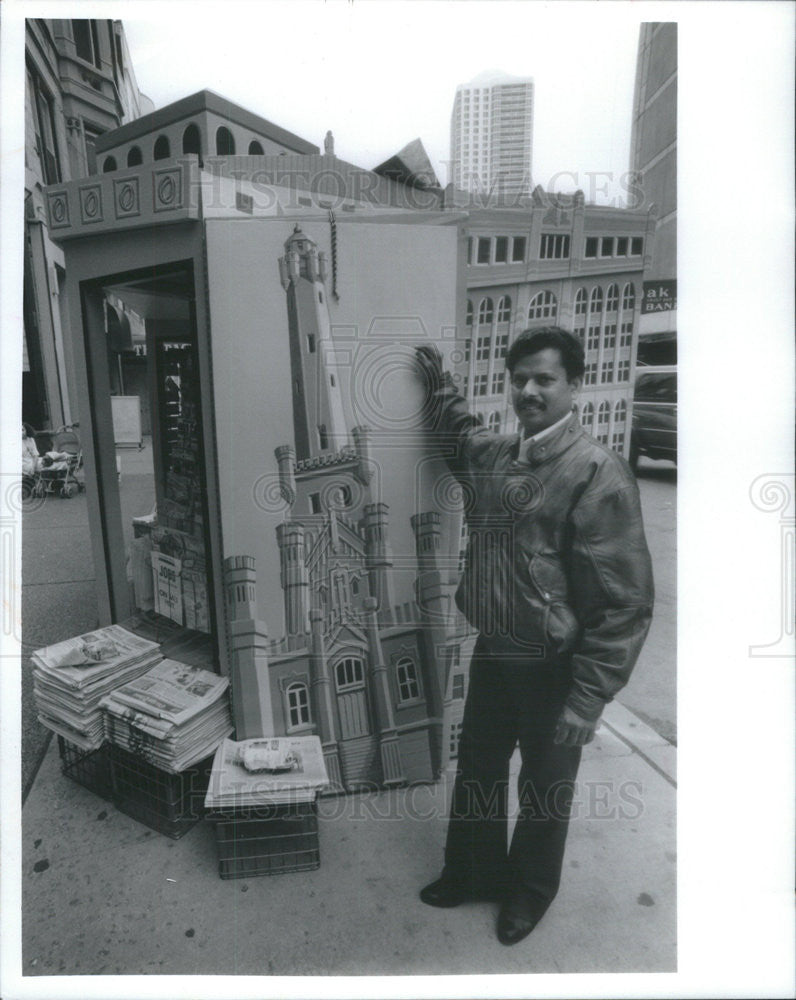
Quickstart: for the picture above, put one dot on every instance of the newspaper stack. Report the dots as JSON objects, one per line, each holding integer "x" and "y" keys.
{"x": 71, "y": 677}
{"x": 174, "y": 715}
{"x": 266, "y": 771}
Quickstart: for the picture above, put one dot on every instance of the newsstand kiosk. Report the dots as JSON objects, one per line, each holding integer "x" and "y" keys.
{"x": 292, "y": 529}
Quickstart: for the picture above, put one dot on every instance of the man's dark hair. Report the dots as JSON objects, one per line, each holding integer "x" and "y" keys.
{"x": 532, "y": 341}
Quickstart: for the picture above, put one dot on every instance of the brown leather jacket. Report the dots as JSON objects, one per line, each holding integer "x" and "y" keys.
{"x": 557, "y": 563}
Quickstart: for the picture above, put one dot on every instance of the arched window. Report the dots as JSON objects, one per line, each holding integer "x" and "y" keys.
{"x": 494, "y": 422}
{"x": 620, "y": 412}
{"x": 620, "y": 418}
{"x": 323, "y": 437}
{"x": 109, "y": 164}
{"x": 580, "y": 302}
{"x": 543, "y": 306}
{"x": 504, "y": 309}
{"x": 298, "y": 704}
{"x": 629, "y": 296}
{"x": 225, "y": 143}
{"x": 596, "y": 300}
{"x": 612, "y": 298}
{"x": 485, "y": 311}
{"x": 469, "y": 319}
{"x": 192, "y": 139}
{"x": 349, "y": 674}
{"x": 603, "y": 418}
{"x": 256, "y": 149}
{"x": 408, "y": 684}
{"x": 587, "y": 416}
{"x": 162, "y": 149}
{"x": 134, "y": 157}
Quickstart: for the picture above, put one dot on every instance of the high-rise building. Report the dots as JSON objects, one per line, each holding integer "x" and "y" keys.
{"x": 492, "y": 134}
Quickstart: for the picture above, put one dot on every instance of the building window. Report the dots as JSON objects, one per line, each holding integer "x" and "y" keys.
{"x": 554, "y": 246}
{"x": 458, "y": 687}
{"x": 590, "y": 374}
{"x": 612, "y": 298}
{"x": 485, "y": 312}
{"x": 298, "y": 705}
{"x": 493, "y": 423}
{"x": 593, "y": 340}
{"x": 626, "y": 335}
{"x": 587, "y": 417}
{"x": 620, "y": 418}
{"x": 501, "y": 345}
{"x": 483, "y": 348}
{"x": 311, "y": 343}
{"x": 455, "y": 734}
{"x": 623, "y": 371}
{"x": 256, "y": 149}
{"x": 518, "y": 249}
{"x": 596, "y": 300}
{"x": 498, "y": 383}
{"x": 408, "y": 685}
{"x": 591, "y": 247}
{"x": 192, "y": 140}
{"x": 636, "y": 246}
{"x": 349, "y": 674}
{"x": 609, "y": 339}
{"x": 162, "y": 150}
{"x": 109, "y": 164}
{"x": 225, "y": 142}
{"x": 501, "y": 249}
{"x": 621, "y": 246}
{"x": 480, "y": 384}
{"x": 543, "y": 306}
{"x": 86, "y": 40}
{"x": 629, "y": 297}
{"x": 607, "y": 246}
{"x": 468, "y": 346}
{"x": 607, "y": 372}
{"x": 470, "y": 242}
{"x": 44, "y": 123}
{"x": 323, "y": 437}
{"x": 469, "y": 318}
{"x": 504, "y": 310}
{"x": 484, "y": 247}
{"x": 580, "y": 302}
{"x": 134, "y": 157}
{"x": 315, "y": 503}
{"x": 603, "y": 418}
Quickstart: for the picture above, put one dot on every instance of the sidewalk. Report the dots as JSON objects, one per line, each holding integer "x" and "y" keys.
{"x": 103, "y": 894}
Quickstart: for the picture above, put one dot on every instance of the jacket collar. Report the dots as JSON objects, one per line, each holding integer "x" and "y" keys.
{"x": 551, "y": 446}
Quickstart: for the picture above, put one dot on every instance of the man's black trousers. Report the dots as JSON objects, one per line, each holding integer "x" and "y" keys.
{"x": 512, "y": 697}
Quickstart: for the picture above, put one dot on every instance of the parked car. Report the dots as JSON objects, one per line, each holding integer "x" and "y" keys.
{"x": 654, "y": 428}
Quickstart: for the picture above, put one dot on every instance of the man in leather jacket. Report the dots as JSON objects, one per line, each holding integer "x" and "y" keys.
{"x": 558, "y": 582}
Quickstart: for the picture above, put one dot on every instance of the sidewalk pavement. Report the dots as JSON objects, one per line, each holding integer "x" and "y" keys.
{"x": 103, "y": 894}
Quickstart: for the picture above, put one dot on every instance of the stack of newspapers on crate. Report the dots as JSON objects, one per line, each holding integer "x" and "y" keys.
{"x": 266, "y": 771}
{"x": 175, "y": 715}
{"x": 70, "y": 679}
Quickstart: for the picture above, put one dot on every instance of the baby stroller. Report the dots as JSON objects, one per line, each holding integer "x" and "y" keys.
{"x": 57, "y": 468}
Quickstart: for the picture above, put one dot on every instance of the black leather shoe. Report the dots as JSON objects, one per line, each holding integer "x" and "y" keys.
{"x": 444, "y": 893}
{"x": 519, "y": 914}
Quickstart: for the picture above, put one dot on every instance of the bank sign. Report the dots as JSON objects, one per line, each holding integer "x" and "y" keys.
{"x": 659, "y": 296}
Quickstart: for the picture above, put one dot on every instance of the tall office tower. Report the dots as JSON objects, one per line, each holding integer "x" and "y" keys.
{"x": 492, "y": 134}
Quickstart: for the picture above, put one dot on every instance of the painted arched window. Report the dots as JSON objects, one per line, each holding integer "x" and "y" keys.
{"x": 580, "y": 302}
{"x": 596, "y": 300}
{"x": 629, "y": 296}
{"x": 603, "y": 419}
{"x": 485, "y": 311}
{"x": 587, "y": 416}
{"x": 620, "y": 419}
{"x": 134, "y": 157}
{"x": 192, "y": 139}
{"x": 406, "y": 675}
{"x": 620, "y": 412}
{"x": 162, "y": 149}
{"x": 612, "y": 298}
{"x": 225, "y": 143}
{"x": 109, "y": 164}
{"x": 504, "y": 309}
{"x": 349, "y": 674}
{"x": 298, "y": 704}
{"x": 256, "y": 149}
{"x": 494, "y": 422}
{"x": 469, "y": 319}
{"x": 543, "y": 306}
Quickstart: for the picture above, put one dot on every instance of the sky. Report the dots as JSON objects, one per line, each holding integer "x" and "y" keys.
{"x": 382, "y": 74}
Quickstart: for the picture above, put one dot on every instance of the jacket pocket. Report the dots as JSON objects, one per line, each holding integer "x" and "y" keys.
{"x": 550, "y": 581}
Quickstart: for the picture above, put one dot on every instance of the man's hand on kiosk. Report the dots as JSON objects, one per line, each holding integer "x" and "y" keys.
{"x": 572, "y": 730}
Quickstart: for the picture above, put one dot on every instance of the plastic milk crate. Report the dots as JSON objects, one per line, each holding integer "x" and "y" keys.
{"x": 169, "y": 803}
{"x": 89, "y": 768}
{"x": 267, "y": 840}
